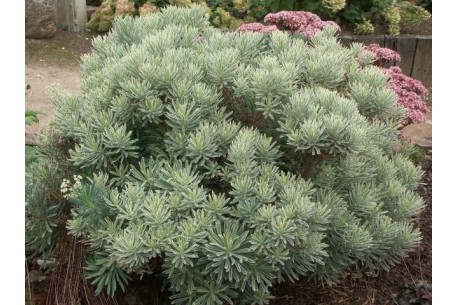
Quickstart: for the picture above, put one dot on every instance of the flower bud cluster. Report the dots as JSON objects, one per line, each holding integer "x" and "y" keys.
{"x": 382, "y": 55}
{"x": 392, "y": 14}
{"x": 257, "y": 27}
{"x": 364, "y": 27}
{"x": 66, "y": 187}
{"x": 334, "y": 5}
{"x": 241, "y": 5}
{"x": 410, "y": 94}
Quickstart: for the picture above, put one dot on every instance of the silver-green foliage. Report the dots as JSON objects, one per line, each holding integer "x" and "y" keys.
{"x": 239, "y": 160}
{"x": 45, "y": 205}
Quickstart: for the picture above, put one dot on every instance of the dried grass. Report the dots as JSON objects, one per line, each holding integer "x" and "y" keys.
{"x": 68, "y": 285}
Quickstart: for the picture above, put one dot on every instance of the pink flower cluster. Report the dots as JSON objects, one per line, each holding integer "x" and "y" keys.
{"x": 382, "y": 55}
{"x": 292, "y": 20}
{"x": 410, "y": 92}
{"x": 257, "y": 27}
{"x": 305, "y": 23}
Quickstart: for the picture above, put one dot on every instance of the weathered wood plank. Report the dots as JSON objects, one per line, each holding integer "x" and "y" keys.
{"x": 72, "y": 15}
{"x": 422, "y": 64}
{"x": 390, "y": 43}
{"x": 406, "y": 47}
{"x": 80, "y": 15}
{"x": 64, "y": 16}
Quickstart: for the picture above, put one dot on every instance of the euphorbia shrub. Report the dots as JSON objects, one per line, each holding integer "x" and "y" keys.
{"x": 236, "y": 160}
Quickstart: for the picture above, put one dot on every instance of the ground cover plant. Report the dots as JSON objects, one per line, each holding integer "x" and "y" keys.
{"x": 231, "y": 161}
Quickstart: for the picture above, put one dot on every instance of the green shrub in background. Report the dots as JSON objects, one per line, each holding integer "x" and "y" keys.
{"x": 412, "y": 14}
{"x": 31, "y": 117}
{"x": 234, "y": 160}
{"x": 364, "y": 27}
{"x": 102, "y": 19}
{"x": 224, "y": 14}
{"x": 229, "y": 14}
{"x": 392, "y": 13}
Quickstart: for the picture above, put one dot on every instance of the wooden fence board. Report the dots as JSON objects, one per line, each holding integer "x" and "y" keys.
{"x": 422, "y": 64}
{"x": 72, "y": 15}
{"x": 390, "y": 43}
{"x": 64, "y": 15}
{"x": 80, "y": 14}
{"x": 406, "y": 46}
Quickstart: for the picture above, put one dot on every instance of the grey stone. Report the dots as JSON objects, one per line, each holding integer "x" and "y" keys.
{"x": 40, "y": 18}
{"x": 420, "y": 133}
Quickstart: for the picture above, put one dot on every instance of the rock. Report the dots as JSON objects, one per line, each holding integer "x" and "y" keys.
{"x": 40, "y": 18}
{"x": 420, "y": 133}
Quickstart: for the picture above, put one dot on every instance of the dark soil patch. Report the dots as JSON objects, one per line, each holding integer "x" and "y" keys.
{"x": 63, "y": 49}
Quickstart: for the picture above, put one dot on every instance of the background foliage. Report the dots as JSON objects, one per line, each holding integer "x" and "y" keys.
{"x": 360, "y": 15}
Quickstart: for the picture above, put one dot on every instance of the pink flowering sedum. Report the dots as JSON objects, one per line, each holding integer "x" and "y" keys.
{"x": 382, "y": 55}
{"x": 305, "y": 23}
{"x": 257, "y": 27}
{"x": 292, "y": 20}
{"x": 410, "y": 93}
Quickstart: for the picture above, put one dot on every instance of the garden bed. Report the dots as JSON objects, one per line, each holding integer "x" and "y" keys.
{"x": 366, "y": 290}
{"x": 384, "y": 289}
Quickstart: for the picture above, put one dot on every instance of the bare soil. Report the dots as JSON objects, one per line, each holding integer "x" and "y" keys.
{"x": 47, "y": 62}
